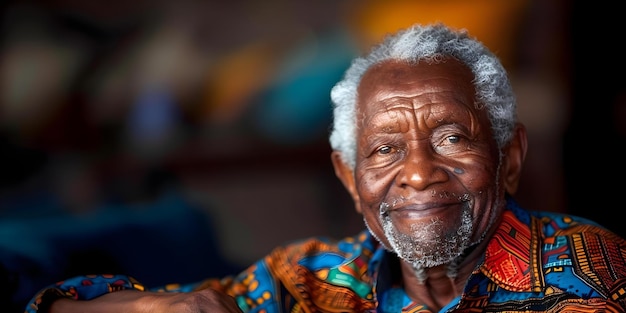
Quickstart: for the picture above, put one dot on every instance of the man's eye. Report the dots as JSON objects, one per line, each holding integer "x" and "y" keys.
{"x": 384, "y": 150}
{"x": 453, "y": 139}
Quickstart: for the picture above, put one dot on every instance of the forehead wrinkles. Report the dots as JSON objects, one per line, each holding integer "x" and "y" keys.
{"x": 400, "y": 117}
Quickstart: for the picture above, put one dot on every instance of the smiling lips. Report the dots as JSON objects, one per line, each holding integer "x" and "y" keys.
{"x": 417, "y": 210}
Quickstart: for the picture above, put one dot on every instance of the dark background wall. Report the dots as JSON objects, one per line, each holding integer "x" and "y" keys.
{"x": 593, "y": 159}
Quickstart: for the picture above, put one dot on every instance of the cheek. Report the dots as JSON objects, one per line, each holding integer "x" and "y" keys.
{"x": 477, "y": 174}
{"x": 373, "y": 186}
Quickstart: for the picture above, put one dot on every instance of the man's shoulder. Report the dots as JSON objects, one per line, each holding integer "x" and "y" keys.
{"x": 554, "y": 223}
{"x": 551, "y": 222}
{"x": 322, "y": 244}
{"x": 317, "y": 252}
{"x": 536, "y": 250}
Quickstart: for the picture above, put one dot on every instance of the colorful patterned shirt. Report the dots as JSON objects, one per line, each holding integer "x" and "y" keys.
{"x": 535, "y": 262}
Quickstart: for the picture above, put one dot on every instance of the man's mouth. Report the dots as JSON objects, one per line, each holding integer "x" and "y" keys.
{"x": 416, "y": 210}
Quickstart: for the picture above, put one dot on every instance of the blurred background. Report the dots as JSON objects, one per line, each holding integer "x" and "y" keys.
{"x": 176, "y": 140}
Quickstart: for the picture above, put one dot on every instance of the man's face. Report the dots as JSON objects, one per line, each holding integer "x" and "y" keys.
{"x": 427, "y": 169}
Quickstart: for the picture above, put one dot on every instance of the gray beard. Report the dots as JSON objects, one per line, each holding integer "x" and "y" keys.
{"x": 429, "y": 244}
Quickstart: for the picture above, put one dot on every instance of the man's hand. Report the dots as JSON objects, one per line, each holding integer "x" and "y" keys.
{"x": 202, "y": 301}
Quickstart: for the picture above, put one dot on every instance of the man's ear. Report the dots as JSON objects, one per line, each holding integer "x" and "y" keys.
{"x": 514, "y": 155}
{"x": 346, "y": 175}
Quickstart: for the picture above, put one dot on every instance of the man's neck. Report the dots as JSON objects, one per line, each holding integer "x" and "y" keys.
{"x": 436, "y": 287}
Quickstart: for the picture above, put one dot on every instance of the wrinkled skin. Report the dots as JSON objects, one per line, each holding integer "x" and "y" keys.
{"x": 201, "y": 301}
{"x": 429, "y": 178}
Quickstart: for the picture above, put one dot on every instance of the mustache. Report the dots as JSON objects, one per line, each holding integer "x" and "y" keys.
{"x": 386, "y": 206}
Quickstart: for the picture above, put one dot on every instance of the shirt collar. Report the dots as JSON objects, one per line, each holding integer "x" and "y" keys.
{"x": 513, "y": 251}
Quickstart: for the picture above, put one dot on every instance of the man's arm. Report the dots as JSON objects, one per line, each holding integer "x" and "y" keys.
{"x": 120, "y": 293}
{"x": 205, "y": 300}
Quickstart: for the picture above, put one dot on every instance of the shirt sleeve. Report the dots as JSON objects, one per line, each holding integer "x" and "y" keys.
{"x": 81, "y": 288}
{"x": 88, "y": 287}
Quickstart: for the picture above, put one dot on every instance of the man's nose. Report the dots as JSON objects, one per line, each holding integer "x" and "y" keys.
{"x": 420, "y": 169}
